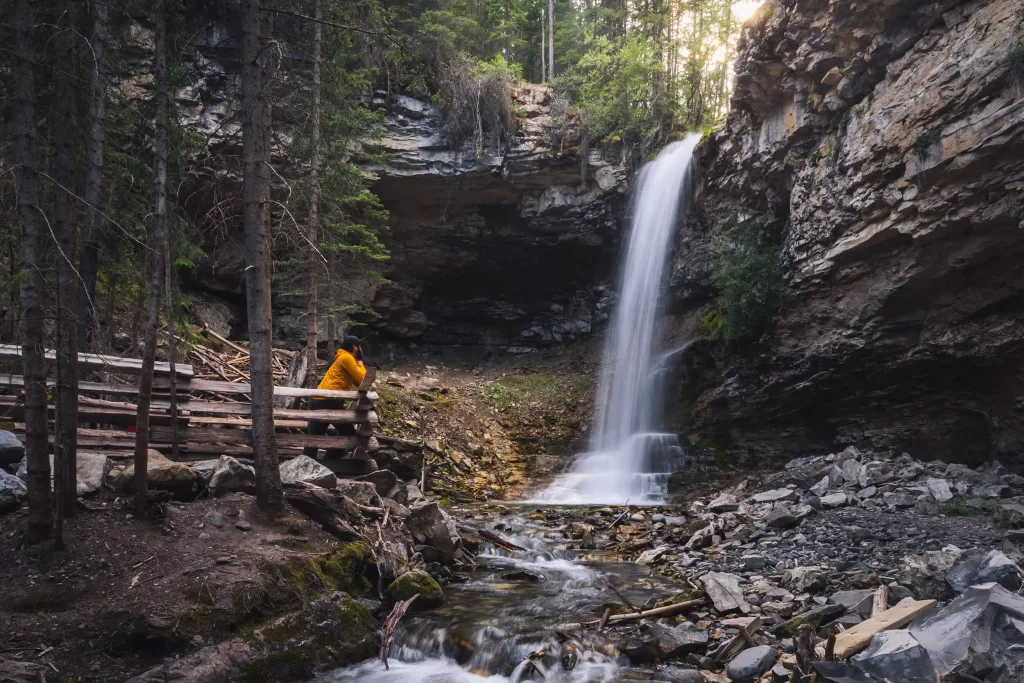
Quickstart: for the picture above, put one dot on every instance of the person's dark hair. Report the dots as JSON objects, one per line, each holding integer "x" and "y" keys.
{"x": 350, "y": 343}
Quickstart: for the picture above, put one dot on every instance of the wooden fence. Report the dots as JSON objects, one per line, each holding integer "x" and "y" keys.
{"x": 213, "y": 417}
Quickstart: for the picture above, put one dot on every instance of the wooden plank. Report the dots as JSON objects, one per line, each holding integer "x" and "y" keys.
{"x": 245, "y": 410}
{"x": 235, "y": 388}
{"x": 18, "y": 382}
{"x": 95, "y": 361}
{"x": 100, "y": 415}
{"x": 208, "y": 435}
{"x": 856, "y": 638}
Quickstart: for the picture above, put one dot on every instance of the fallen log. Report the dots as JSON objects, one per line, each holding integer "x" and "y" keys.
{"x": 335, "y": 515}
{"x": 621, "y": 597}
{"x": 856, "y": 638}
{"x": 387, "y": 633}
{"x": 666, "y": 611}
{"x": 499, "y": 541}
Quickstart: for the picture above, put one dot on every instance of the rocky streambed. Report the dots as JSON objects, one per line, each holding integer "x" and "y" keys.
{"x": 898, "y": 569}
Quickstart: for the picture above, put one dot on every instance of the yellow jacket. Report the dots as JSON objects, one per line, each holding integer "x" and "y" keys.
{"x": 345, "y": 373}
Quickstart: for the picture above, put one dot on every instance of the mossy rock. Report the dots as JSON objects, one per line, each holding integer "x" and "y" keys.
{"x": 416, "y": 582}
{"x": 332, "y": 631}
{"x": 352, "y": 568}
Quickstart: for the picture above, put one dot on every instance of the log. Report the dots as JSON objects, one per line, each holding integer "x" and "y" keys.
{"x": 95, "y": 361}
{"x": 499, "y": 541}
{"x": 332, "y": 514}
{"x": 735, "y": 646}
{"x": 620, "y": 596}
{"x": 881, "y": 601}
{"x": 387, "y": 633}
{"x": 856, "y": 638}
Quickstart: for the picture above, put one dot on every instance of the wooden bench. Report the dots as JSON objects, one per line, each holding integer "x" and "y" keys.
{"x": 206, "y": 427}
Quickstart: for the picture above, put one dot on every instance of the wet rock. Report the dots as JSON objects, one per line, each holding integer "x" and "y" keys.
{"x": 231, "y": 475}
{"x": 432, "y": 527}
{"x": 983, "y": 566}
{"x": 747, "y": 666}
{"x": 162, "y": 474}
{"x": 724, "y": 503}
{"x": 578, "y": 529}
{"x": 724, "y": 591}
{"x": 524, "y": 575}
{"x": 925, "y": 573}
{"x": 805, "y": 580}
{"x": 11, "y": 449}
{"x": 657, "y": 641}
{"x": 12, "y": 492}
{"x": 975, "y": 635}
{"x": 416, "y": 582}
{"x": 385, "y": 481}
{"x": 653, "y": 556}
{"x": 303, "y": 469}
{"x": 787, "y": 516}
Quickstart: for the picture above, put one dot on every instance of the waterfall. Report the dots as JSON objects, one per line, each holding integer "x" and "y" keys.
{"x": 628, "y": 458}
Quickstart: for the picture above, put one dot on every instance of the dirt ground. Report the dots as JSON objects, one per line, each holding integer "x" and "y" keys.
{"x": 124, "y": 594}
{"x": 495, "y": 425}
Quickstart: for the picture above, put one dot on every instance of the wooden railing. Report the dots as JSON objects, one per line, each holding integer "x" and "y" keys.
{"x": 213, "y": 417}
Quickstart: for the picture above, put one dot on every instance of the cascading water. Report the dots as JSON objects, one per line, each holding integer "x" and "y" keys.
{"x": 628, "y": 458}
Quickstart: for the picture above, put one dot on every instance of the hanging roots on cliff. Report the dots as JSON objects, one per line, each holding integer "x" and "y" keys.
{"x": 476, "y": 98}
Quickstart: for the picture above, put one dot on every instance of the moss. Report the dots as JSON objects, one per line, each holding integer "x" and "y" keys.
{"x": 416, "y": 582}
{"x": 790, "y": 628}
{"x": 958, "y": 508}
{"x": 352, "y": 568}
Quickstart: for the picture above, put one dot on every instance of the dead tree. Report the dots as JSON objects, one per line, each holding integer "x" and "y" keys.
{"x": 257, "y": 79}
{"x": 551, "y": 40}
{"x": 93, "y": 193}
{"x": 65, "y": 226}
{"x": 155, "y": 242}
{"x": 32, "y": 292}
{"x": 543, "y": 46}
{"x": 312, "y": 322}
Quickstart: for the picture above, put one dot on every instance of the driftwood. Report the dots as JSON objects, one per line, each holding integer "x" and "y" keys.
{"x": 805, "y": 648}
{"x": 499, "y": 541}
{"x": 621, "y": 597}
{"x": 335, "y": 513}
{"x": 666, "y": 611}
{"x": 856, "y": 638}
{"x": 387, "y": 633}
{"x": 297, "y": 372}
{"x": 736, "y": 645}
{"x": 881, "y": 600}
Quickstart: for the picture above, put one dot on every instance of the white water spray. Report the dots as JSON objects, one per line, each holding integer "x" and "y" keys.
{"x": 628, "y": 458}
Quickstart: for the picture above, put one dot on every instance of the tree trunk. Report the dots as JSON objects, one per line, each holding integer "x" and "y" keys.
{"x": 156, "y": 261}
{"x": 160, "y": 209}
{"x": 93, "y": 175}
{"x": 312, "y": 321}
{"x": 66, "y": 230}
{"x": 256, "y": 120}
{"x": 543, "y": 46}
{"x": 551, "y": 40}
{"x": 33, "y": 302}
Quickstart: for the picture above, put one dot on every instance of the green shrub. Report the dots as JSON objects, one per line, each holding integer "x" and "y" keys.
{"x": 748, "y": 275}
{"x": 1015, "y": 61}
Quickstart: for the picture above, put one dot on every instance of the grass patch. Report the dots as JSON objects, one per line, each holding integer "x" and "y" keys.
{"x": 520, "y": 390}
{"x": 957, "y": 508}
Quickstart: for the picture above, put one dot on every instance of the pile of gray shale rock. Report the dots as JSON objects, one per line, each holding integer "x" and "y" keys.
{"x": 846, "y": 568}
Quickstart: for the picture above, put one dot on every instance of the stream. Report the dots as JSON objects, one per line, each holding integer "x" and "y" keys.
{"x": 499, "y": 624}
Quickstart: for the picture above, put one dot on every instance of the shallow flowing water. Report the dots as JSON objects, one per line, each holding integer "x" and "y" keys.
{"x": 501, "y": 624}
{"x": 629, "y": 459}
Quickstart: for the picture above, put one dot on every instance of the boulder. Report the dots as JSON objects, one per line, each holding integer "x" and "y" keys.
{"x": 978, "y": 565}
{"x": 834, "y": 500}
{"x": 895, "y": 655}
{"x": 724, "y": 591}
{"x": 384, "y": 480}
{"x": 747, "y": 666}
{"x": 875, "y": 472}
{"x": 162, "y": 475}
{"x": 774, "y": 496}
{"x": 12, "y": 492}
{"x": 11, "y": 449}
{"x": 92, "y": 470}
{"x": 652, "y": 556}
{"x": 21, "y": 672}
{"x": 431, "y": 526}
{"x": 1010, "y": 514}
{"x": 858, "y": 601}
{"x": 416, "y": 582}
{"x": 303, "y": 469}
{"x": 786, "y": 516}
{"x": 657, "y": 641}
{"x": 231, "y": 475}
{"x": 804, "y": 580}
{"x": 405, "y": 464}
{"x": 925, "y": 573}
{"x": 362, "y": 492}
{"x": 724, "y": 503}
{"x": 939, "y": 489}
{"x": 204, "y": 470}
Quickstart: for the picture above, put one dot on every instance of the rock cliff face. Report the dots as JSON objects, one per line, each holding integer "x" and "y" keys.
{"x": 511, "y": 246}
{"x": 885, "y": 138}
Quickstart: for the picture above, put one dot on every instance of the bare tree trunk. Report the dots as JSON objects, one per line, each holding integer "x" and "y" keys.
{"x": 66, "y": 231}
{"x": 543, "y": 46}
{"x": 33, "y": 302}
{"x": 160, "y": 209}
{"x": 156, "y": 243}
{"x": 256, "y": 121}
{"x": 551, "y": 39}
{"x": 312, "y": 321}
{"x": 93, "y": 175}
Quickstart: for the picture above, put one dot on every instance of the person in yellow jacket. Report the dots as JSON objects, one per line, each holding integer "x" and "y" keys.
{"x": 345, "y": 374}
